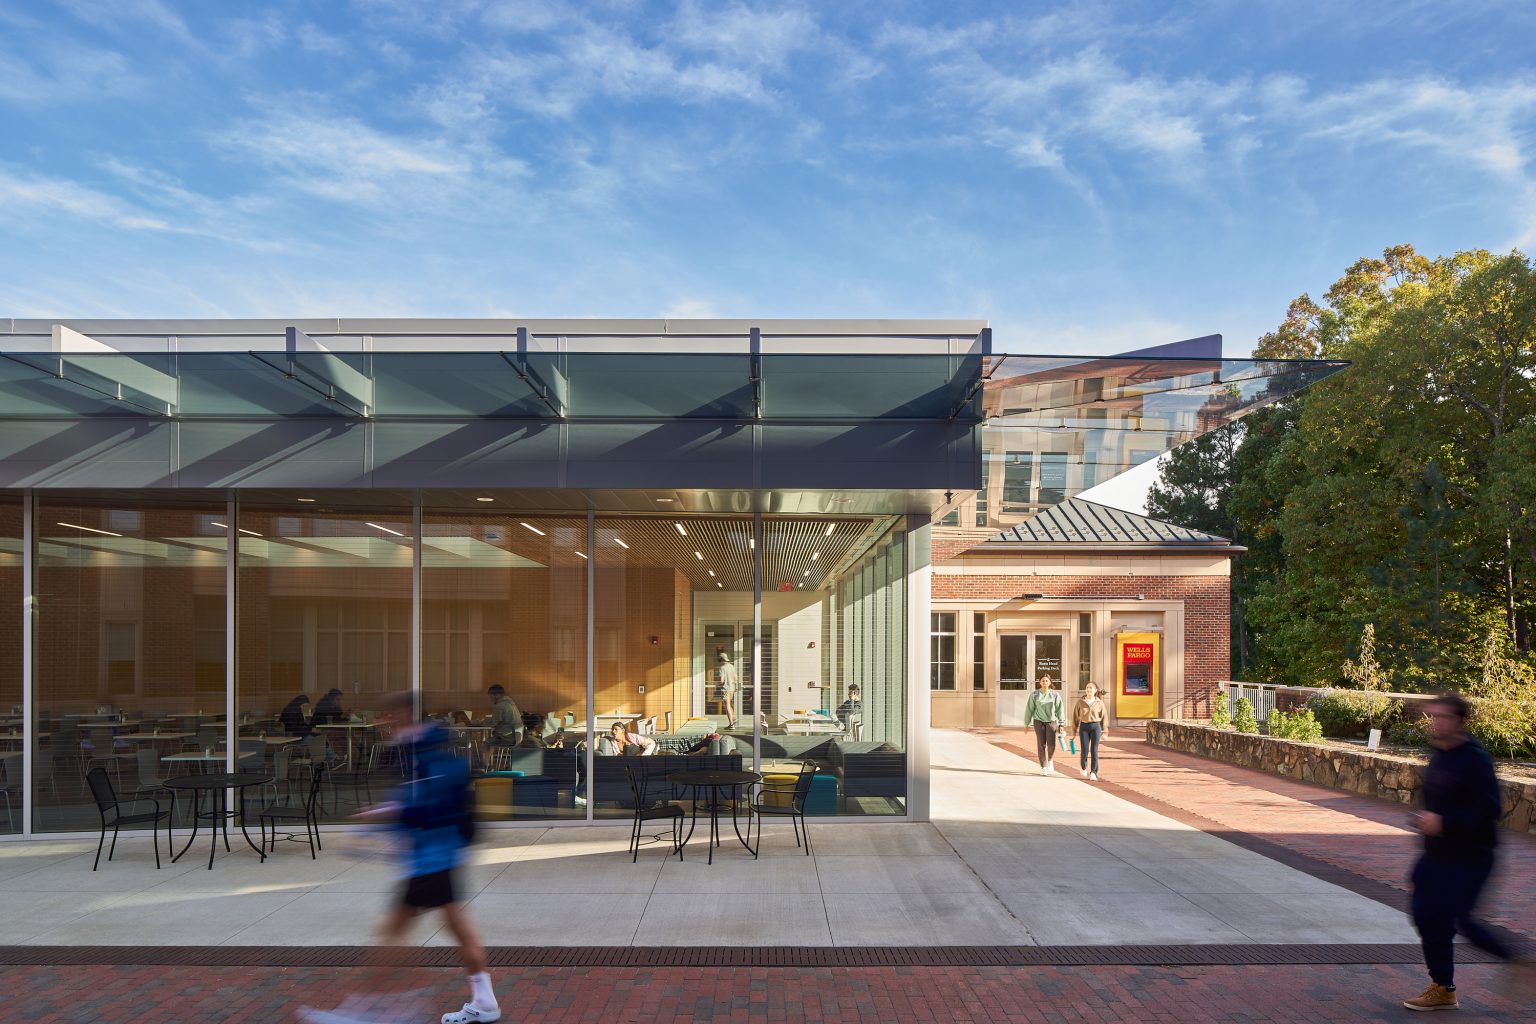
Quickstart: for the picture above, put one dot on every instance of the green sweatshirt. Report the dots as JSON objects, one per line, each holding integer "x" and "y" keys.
{"x": 1044, "y": 706}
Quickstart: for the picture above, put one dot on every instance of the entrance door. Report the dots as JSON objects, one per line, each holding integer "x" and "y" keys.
{"x": 734, "y": 639}
{"x": 1021, "y": 659}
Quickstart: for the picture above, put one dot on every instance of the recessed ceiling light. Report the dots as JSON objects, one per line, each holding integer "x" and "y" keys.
{"x": 251, "y": 533}
{"x": 304, "y": 499}
{"x": 751, "y": 542}
{"x": 680, "y": 529}
{"x": 581, "y": 554}
{"x": 386, "y": 529}
{"x": 222, "y": 526}
{"x": 620, "y": 542}
{"x": 806, "y": 573}
{"x": 720, "y": 585}
{"x": 530, "y": 526}
{"x": 830, "y": 528}
{"x": 710, "y": 571}
{"x": 485, "y": 499}
{"x": 91, "y": 529}
{"x": 699, "y": 555}
{"x": 815, "y": 555}
{"x": 666, "y": 501}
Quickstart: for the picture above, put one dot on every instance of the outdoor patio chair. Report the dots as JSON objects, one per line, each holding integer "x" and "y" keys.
{"x": 308, "y": 813}
{"x": 112, "y": 815}
{"x": 647, "y": 808}
{"x": 778, "y": 800}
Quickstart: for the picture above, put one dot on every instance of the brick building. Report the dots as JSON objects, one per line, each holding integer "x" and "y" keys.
{"x": 1050, "y": 596}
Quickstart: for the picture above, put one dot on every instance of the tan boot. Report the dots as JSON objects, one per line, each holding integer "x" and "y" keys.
{"x": 1436, "y": 997}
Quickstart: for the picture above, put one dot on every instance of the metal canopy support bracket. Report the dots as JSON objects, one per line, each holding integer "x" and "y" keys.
{"x": 529, "y": 376}
{"x": 108, "y": 372}
{"x": 755, "y": 375}
{"x": 309, "y": 363}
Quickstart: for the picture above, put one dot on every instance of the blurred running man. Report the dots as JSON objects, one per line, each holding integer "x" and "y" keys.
{"x": 431, "y": 814}
{"x": 1460, "y": 826}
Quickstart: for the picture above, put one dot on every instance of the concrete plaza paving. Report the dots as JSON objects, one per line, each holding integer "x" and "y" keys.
{"x": 1011, "y": 858}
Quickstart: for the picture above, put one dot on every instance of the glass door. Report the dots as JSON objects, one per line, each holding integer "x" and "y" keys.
{"x": 728, "y": 670}
{"x": 1023, "y": 658}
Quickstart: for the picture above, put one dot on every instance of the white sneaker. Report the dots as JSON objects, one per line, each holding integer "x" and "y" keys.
{"x": 471, "y": 1013}
{"x": 1093, "y": 776}
{"x": 1083, "y": 772}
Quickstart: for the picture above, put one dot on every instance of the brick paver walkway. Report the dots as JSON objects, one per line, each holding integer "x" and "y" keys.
{"x": 1053, "y": 995}
{"x": 1363, "y": 835}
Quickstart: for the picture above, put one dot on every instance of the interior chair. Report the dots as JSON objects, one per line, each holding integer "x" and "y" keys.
{"x": 102, "y": 752}
{"x": 112, "y": 816}
{"x": 308, "y": 813}
{"x": 648, "y": 808}
{"x": 780, "y": 800}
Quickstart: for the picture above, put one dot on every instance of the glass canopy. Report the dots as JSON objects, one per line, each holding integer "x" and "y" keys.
{"x": 1054, "y": 426}
{"x": 476, "y": 385}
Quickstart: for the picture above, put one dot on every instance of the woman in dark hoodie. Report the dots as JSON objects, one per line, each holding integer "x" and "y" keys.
{"x": 292, "y": 717}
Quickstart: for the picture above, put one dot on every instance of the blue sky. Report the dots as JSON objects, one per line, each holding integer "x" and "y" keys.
{"x": 1085, "y": 176}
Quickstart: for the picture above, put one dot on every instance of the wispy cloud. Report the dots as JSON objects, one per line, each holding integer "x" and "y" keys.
{"x": 24, "y": 194}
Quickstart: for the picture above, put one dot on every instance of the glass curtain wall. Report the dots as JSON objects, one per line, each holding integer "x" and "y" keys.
{"x": 504, "y": 603}
{"x": 323, "y": 604}
{"x": 130, "y": 663}
{"x": 11, "y": 694}
{"x": 871, "y": 630}
{"x": 672, "y": 647}
{"x": 131, "y": 673}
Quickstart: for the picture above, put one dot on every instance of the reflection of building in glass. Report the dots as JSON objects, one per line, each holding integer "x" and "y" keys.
{"x": 234, "y": 536}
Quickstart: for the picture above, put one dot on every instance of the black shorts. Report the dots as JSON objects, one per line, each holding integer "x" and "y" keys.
{"x": 427, "y": 892}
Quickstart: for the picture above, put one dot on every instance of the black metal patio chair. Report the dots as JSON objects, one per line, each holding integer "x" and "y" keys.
{"x": 107, "y": 803}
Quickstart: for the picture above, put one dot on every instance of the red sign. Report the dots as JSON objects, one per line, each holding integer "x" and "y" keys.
{"x": 786, "y": 586}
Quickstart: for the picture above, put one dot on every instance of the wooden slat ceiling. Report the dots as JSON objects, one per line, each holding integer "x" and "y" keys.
{"x": 714, "y": 553}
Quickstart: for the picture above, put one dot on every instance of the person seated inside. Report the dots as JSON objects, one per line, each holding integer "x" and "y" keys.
{"x": 292, "y": 717}
{"x": 328, "y": 710}
{"x": 852, "y": 708}
{"x": 532, "y": 740}
{"x": 623, "y": 741}
{"x": 506, "y": 720}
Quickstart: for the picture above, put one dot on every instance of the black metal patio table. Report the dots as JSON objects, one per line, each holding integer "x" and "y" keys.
{"x": 714, "y": 781}
{"x": 217, "y": 785}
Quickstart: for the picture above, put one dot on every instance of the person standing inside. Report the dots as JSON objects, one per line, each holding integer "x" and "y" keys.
{"x": 506, "y": 720}
{"x": 1045, "y": 712}
{"x": 729, "y": 686}
{"x": 1459, "y": 826}
{"x": 1090, "y": 723}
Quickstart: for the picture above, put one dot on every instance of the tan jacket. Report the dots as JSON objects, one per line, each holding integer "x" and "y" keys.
{"x": 1082, "y": 712}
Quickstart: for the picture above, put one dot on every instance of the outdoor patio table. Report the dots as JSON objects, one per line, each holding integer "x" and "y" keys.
{"x": 217, "y": 785}
{"x": 714, "y": 781}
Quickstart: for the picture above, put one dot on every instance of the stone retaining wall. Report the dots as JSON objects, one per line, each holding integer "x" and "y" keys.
{"x": 1369, "y": 773}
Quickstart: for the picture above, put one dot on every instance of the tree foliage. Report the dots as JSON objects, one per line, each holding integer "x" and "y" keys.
{"x": 1400, "y": 493}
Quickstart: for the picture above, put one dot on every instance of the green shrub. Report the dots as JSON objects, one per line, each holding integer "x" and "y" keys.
{"x": 1507, "y": 726}
{"x": 1350, "y": 714}
{"x": 1243, "y": 718}
{"x": 1221, "y": 716}
{"x": 1407, "y": 732}
{"x": 1300, "y": 726}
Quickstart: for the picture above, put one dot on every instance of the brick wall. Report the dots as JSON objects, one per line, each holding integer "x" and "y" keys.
{"x": 1207, "y": 610}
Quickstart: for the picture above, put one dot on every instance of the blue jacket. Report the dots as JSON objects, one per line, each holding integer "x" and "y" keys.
{"x": 434, "y": 802}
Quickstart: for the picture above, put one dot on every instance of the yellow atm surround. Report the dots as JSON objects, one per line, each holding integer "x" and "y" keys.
{"x": 1138, "y": 675}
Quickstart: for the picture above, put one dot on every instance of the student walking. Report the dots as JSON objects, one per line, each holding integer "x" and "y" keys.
{"x": 430, "y": 811}
{"x": 1459, "y": 823}
{"x": 1045, "y": 712}
{"x": 1090, "y": 723}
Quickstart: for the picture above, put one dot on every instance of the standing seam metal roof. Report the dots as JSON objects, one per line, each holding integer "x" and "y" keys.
{"x": 1077, "y": 521}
